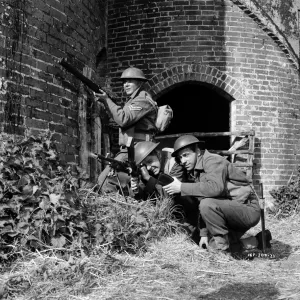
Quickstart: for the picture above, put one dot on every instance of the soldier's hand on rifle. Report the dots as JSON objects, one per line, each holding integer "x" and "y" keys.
{"x": 134, "y": 183}
{"x": 144, "y": 173}
{"x": 101, "y": 96}
{"x": 174, "y": 187}
{"x": 111, "y": 173}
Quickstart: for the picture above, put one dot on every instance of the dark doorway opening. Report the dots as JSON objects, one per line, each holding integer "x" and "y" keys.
{"x": 197, "y": 107}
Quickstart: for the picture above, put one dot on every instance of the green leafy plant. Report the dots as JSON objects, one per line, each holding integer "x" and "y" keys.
{"x": 39, "y": 204}
{"x": 287, "y": 197}
{"x": 42, "y": 206}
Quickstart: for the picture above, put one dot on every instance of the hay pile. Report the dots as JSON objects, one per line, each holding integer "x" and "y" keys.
{"x": 173, "y": 268}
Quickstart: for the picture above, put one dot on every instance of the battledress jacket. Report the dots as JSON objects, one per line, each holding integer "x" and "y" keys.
{"x": 216, "y": 177}
{"x": 137, "y": 116}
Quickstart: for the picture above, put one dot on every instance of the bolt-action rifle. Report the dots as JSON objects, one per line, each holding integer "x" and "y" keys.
{"x": 92, "y": 85}
{"x": 123, "y": 166}
{"x": 129, "y": 166}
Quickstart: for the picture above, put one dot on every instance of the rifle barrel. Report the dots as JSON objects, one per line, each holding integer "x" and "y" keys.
{"x": 111, "y": 160}
{"x": 93, "y": 86}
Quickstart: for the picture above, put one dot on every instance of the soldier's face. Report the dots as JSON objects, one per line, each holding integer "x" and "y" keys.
{"x": 188, "y": 158}
{"x": 152, "y": 163}
{"x": 131, "y": 85}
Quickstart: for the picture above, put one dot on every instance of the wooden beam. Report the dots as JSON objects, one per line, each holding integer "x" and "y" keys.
{"x": 82, "y": 116}
{"x": 205, "y": 134}
{"x": 227, "y": 152}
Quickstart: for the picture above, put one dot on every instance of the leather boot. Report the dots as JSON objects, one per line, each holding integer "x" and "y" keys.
{"x": 219, "y": 243}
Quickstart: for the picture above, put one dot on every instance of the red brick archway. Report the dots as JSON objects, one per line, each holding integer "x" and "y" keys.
{"x": 195, "y": 72}
{"x": 226, "y": 85}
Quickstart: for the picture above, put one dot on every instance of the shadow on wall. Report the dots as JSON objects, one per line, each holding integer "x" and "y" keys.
{"x": 245, "y": 291}
{"x": 197, "y": 108}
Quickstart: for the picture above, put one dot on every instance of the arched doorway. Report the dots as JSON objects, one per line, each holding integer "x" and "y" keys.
{"x": 197, "y": 107}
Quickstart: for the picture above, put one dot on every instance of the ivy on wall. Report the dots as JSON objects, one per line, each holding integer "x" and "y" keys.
{"x": 15, "y": 26}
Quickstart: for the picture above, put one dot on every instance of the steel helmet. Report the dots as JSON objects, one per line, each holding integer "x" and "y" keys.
{"x": 133, "y": 73}
{"x": 142, "y": 150}
{"x": 183, "y": 141}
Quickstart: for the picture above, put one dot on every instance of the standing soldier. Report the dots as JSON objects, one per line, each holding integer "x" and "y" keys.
{"x": 136, "y": 120}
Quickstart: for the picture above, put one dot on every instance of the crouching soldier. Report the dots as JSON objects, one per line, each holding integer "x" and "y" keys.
{"x": 148, "y": 187}
{"x": 226, "y": 207}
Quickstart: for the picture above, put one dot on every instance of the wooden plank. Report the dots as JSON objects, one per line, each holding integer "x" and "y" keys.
{"x": 97, "y": 145}
{"x": 207, "y": 134}
{"x": 236, "y": 144}
{"x": 226, "y": 152}
{"x": 82, "y": 116}
{"x": 106, "y": 144}
{"x": 243, "y": 165}
{"x": 251, "y": 156}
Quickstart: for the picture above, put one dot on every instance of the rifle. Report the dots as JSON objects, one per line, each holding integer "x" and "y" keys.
{"x": 92, "y": 85}
{"x": 129, "y": 166}
{"x": 123, "y": 166}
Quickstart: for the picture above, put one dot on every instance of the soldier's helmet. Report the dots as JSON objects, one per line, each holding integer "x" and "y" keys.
{"x": 184, "y": 141}
{"x": 142, "y": 150}
{"x": 133, "y": 73}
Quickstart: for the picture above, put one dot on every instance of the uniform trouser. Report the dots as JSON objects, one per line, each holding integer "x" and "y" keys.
{"x": 111, "y": 183}
{"x": 228, "y": 220}
{"x": 186, "y": 209}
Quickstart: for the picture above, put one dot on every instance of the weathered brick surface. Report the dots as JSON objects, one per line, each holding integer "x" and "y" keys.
{"x": 224, "y": 44}
{"x": 34, "y": 34}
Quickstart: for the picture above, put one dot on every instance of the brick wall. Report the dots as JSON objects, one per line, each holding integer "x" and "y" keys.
{"x": 224, "y": 44}
{"x": 285, "y": 15}
{"x": 36, "y": 94}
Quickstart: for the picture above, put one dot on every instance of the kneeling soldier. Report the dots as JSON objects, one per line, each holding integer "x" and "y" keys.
{"x": 226, "y": 208}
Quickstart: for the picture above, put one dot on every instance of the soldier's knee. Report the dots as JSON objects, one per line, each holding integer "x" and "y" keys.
{"x": 206, "y": 206}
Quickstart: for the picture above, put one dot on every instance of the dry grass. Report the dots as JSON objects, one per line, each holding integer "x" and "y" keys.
{"x": 173, "y": 268}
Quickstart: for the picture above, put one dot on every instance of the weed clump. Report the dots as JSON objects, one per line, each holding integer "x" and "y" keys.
{"x": 287, "y": 197}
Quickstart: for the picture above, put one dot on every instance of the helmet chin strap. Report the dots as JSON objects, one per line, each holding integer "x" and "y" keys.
{"x": 139, "y": 85}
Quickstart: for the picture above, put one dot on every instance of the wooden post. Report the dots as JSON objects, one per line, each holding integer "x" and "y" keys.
{"x": 82, "y": 116}
{"x": 251, "y": 154}
{"x": 97, "y": 144}
{"x": 106, "y": 142}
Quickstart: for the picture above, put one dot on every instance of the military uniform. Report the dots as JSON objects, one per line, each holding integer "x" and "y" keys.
{"x": 186, "y": 207}
{"x": 137, "y": 120}
{"x": 223, "y": 191}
